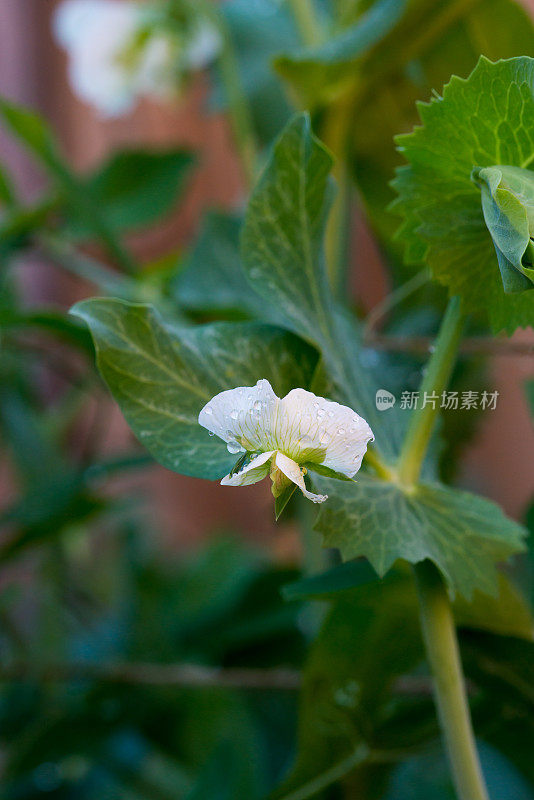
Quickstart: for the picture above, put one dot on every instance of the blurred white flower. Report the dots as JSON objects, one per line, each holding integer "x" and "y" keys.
{"x": 117, "y": 55}
{"x": 279, "y": 436}
{"x": 203, "y": 47}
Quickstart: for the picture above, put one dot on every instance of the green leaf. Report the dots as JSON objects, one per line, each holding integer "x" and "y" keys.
{"x": 508, "y": 206}
{"x": 485, "y": 120}
{"x": 284, "y": 227}
{"x": 502, "y": 668}
{"x": 326, "y": 472}
{"x": 506, "y": 614}
{"x": 282, "y": 500}
{"x": 341, "y": 578}
{"x": 48, "y": 321}
{"x": 22, "y": 223}
{"x": 7, "y": 190}
{"x": 346, "y": 700}
{"x": 284, "y": 261}
{"x": 428, "y": 43}
{"x": 37, "y": 135}
{"x": 136, "y": 188}
{"x": 161, "y": 375}
{"x": 32, "y": 130}
{"x": 351, "y": 707}
{"x": 213, "y": 278}
{"x": 49, "y": 508}
{"x": 463, "y": 534}
{"x": 318, "y": 73}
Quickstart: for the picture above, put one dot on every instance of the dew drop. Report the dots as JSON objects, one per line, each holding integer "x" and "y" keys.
{"x": 257, "y": 405}
{"x": 211, "y": 433}
{"x": 208, "y": 411}
{"x": 330, "y": 413}
{"x": 320, "y": 413}
{"x": 341, "y": 431}
{"x": 324, "y": 437}
{"x": 234, "y": 414}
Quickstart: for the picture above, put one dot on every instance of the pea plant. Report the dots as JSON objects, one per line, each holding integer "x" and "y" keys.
{"x": 281, "y": 382}
{"x": 459, "y": 202}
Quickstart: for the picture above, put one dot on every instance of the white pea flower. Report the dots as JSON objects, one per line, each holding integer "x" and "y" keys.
{"x": 278, "y": 436}
{"x": 117, "y": 55}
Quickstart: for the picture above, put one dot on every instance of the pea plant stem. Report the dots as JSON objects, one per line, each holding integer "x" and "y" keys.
{"x": 306, "y": 20}
{"x": 437, "y": 620}
{"x": 443, "y": 654}
{"x": 336, "y": 135}
{"x": 238, "y": 105}
{"x": 436, "y": 378}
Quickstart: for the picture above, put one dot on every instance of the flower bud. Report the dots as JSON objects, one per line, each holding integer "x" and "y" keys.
{"x": 508, "y": 208}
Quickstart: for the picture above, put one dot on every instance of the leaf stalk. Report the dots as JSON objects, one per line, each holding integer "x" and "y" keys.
{"x": 306, "y": 20}
{"x": 436, "y": 378}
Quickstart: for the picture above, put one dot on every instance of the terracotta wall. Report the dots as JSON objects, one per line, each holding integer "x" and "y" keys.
{"x": 32, "y": 71}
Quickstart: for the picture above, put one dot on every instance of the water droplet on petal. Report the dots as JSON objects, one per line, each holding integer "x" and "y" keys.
{"x": 330, "y": 413}
{"x": 234, "y": 448}
{"x": 320, "y": 413}
{"x": 234, "y": 414}
{"x": 208, "y": 411}
{"x": 341, "y": 431}
{"x": 257, "y": 406}
{"x": 324, "y": 437}
{"x": 211, "y": 433}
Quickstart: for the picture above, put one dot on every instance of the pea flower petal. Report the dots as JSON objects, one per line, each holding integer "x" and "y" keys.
{"x": 280, "y": 435}
{"x": 117, "y": 54}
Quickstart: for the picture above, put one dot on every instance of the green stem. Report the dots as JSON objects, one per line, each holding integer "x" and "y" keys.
{"x": 436, "y": 378}
{"x": 336, "y": 136}
{"x": 451, "y": 700}
{"x": 307, "y": 22}
{"x": 435, "y": 609}
{"x": 238, "y": 106}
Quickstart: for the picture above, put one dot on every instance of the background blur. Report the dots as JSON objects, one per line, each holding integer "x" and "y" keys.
{"x": 168, "y": 575}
